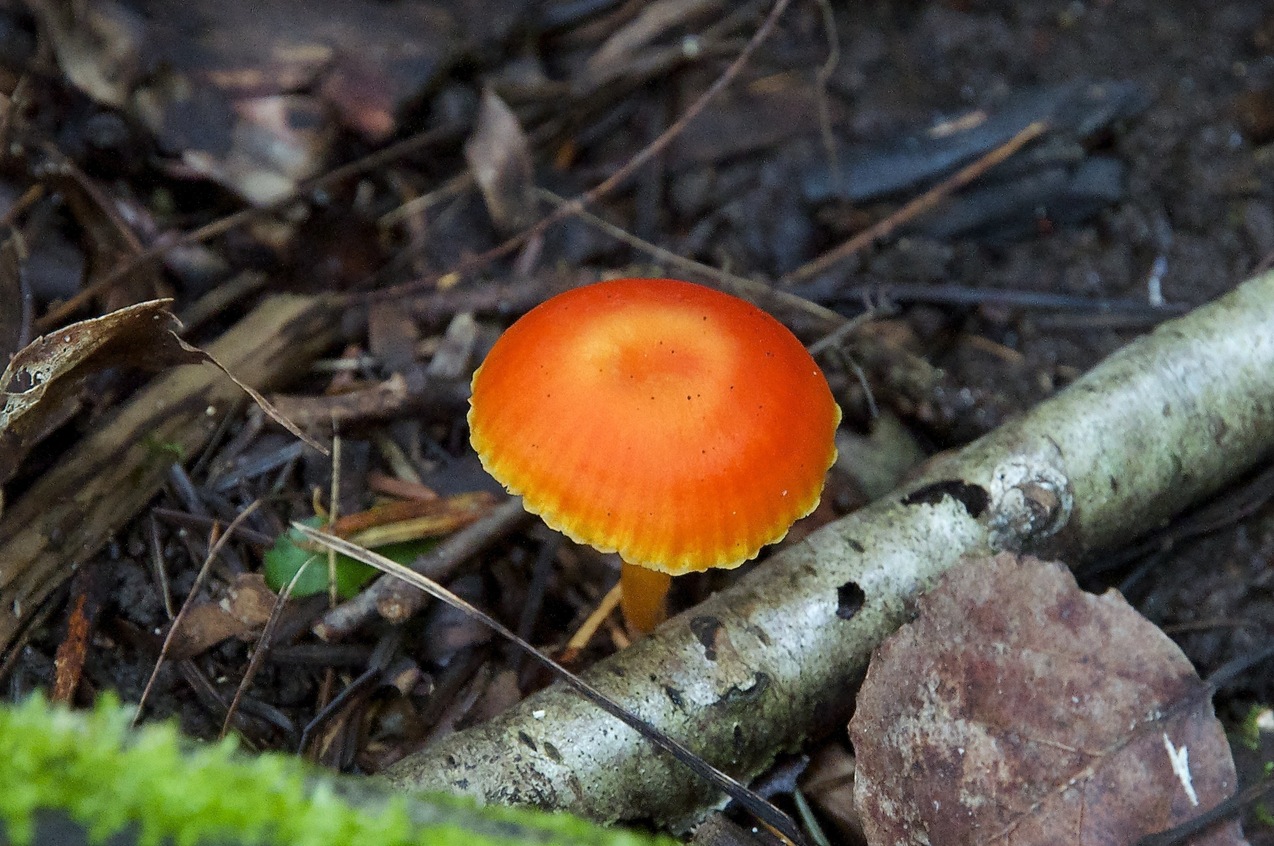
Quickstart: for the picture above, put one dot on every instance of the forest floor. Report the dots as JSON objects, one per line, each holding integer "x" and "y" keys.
{"x": 225, "y": 152}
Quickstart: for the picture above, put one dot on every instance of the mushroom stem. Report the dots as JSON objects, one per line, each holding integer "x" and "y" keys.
{"x": 642, "y": 595}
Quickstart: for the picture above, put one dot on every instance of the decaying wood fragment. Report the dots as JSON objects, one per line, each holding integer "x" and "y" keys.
{"x": 749, "y": 673}
{"x": 70, "y": 512}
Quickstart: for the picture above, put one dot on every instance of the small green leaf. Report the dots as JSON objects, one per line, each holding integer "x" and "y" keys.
{"x": 290, "y": 552}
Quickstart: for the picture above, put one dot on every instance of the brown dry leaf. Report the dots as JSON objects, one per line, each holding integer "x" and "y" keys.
{"x": 828, "y": 784}
{"x": 39, "y": 390}
{"x": 98, "y": 45}
{"x": 499, "y": 158}
{"x": 277, "y": 141}
{"x": 253, "y": 90}
{"x": 244, "y": 610}
{"x": 375, "y": 58}
{"x": 1019, "y": 709}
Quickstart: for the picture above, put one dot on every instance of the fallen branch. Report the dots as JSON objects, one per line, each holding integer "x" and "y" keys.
{"x": 758, "y": 667}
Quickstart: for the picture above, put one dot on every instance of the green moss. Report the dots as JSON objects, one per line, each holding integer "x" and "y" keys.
{"x": 107, "y": 778}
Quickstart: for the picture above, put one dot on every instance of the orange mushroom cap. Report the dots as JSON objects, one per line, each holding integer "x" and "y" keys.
{"x": 676, "y": 425}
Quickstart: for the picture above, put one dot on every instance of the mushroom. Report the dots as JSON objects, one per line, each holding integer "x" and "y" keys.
{"x": 678, "y": 426}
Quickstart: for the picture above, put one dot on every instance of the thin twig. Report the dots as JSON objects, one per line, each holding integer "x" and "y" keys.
{"x": 175, "y": 626}
{"x": 157, "y": 558}
{"x": 606, "y": 186}
{"x": 1236, "y": 803}
{"x": 584, "y": 634}
{"x": 824, "y": 76}
{"x": 375, "y": 665}
{"x": 741, "y": 286}
{"x": 960, "y": 295}
{"x": 263, "y": 645}
{"x": 1227, "y": 809}
{"x": 232, "y": 221}
{"x": 919, "y": 205}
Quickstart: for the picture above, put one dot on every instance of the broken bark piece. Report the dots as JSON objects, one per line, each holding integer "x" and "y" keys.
{"x": 252, "y": 95}
{"x": 869, "y": 172}
{"x": 397, "y": 396}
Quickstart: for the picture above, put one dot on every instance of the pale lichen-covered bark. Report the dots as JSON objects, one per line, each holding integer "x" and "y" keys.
{"x": 746, "y": 674}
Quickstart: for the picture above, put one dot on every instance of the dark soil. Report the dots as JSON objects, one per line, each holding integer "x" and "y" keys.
{"x": 1012, "y": 286}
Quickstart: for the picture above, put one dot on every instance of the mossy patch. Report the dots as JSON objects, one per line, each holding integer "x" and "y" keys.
{"x": 167, "y": 788}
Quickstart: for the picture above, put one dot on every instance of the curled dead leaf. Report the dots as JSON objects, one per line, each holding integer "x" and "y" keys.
{"x": 40, "y": 389}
